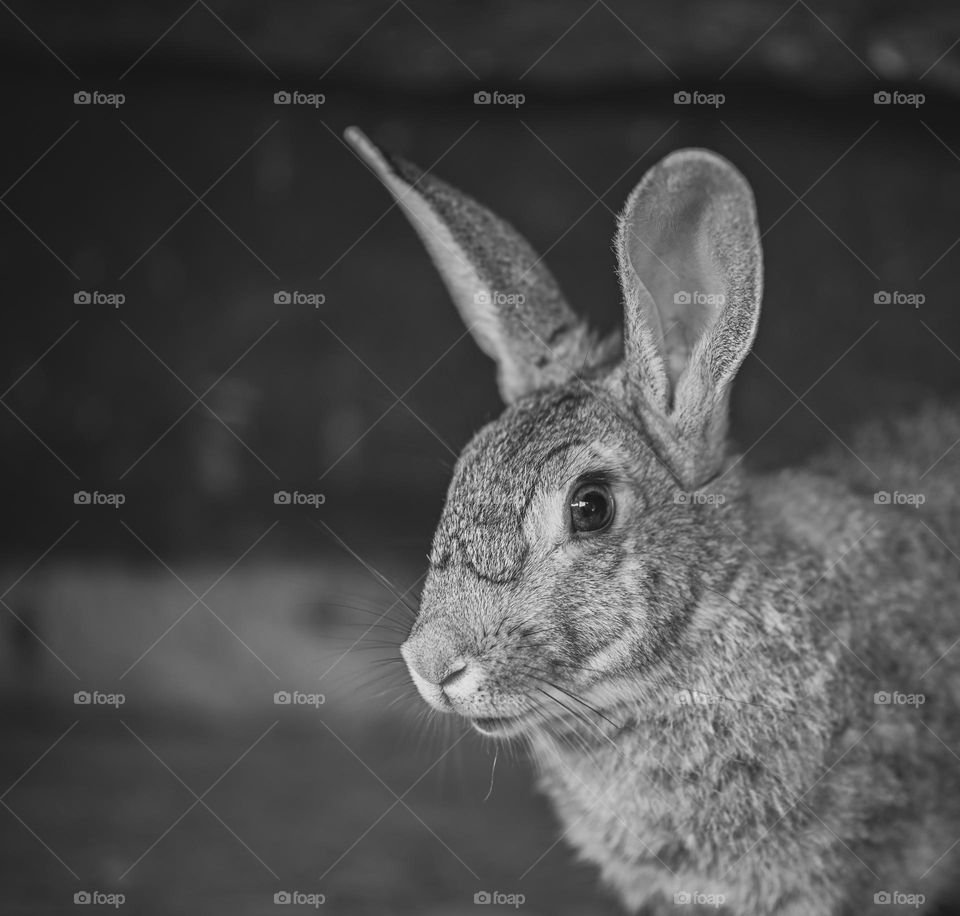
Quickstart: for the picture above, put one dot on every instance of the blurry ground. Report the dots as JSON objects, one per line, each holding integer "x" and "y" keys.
{"x": 854, "y": 200}
{"x": 306, "y": 800}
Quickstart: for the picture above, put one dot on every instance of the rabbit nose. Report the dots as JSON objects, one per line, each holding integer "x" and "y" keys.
{"x": 427, "y": 665}
{"x": 456, "y": 670}
{"x": 461, "y": 680}
{"x": 443, "y": 680}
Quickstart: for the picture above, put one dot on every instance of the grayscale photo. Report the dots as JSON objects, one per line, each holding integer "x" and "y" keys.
{"x": 472, "y": 458}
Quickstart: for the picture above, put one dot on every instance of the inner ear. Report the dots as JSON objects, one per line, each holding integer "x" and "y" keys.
{"x": 676, "y": 268}
{"x": 688, "y": 249}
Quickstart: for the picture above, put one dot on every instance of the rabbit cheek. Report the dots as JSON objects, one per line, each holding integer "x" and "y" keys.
{"x": 588, "y": 602}
{"x": 630, "y": 633}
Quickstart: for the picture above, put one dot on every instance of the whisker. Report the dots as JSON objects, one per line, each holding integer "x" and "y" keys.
{"x": 493, "y": 769}
{"x": 583, "y": 702}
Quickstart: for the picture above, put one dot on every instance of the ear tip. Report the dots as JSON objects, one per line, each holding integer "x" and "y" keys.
{"x": 704, "y": 160}
{"x": 364, "y": 147}
{"x": 694, "y": 155}
{"x": 354, "y": 136}
{"x": 387, "y": 166}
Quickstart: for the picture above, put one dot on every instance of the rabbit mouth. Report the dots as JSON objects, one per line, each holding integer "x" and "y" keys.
{"x": 499, "y": 726}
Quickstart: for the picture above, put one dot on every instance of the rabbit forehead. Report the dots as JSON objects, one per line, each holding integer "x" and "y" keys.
{"x": 497, "y": 475}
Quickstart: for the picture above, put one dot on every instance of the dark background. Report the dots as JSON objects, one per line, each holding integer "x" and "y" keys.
{"x": 367, "y": 398}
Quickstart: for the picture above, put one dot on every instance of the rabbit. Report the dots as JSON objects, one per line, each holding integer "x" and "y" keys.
{"x": 739, "y": 691}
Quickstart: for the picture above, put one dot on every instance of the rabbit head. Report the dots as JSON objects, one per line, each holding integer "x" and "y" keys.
{"x": 580, "y": 525}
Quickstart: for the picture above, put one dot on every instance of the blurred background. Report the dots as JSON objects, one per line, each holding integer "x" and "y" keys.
{"x": 210, "y": 302}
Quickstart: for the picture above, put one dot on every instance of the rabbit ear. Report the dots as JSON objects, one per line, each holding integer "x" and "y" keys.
{"x": 507, "y": 297}
{"x": 691, "y": 271}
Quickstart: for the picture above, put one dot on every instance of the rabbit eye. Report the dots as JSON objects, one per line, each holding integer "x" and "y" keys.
{"x": 591, "y": 507}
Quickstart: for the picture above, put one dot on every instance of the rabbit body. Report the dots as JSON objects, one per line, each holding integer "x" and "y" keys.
{"x": 740, "y": 692}
{"x": 757, "y": 767}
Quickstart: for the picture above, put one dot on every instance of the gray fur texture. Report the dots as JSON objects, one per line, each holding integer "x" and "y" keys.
{"x": 701, "y": 684}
